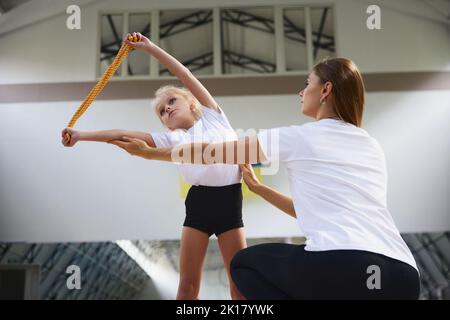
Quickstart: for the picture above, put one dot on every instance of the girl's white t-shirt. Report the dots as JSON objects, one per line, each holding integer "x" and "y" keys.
{"x": 337, "y": 176}
{"x": 212, "y": 127}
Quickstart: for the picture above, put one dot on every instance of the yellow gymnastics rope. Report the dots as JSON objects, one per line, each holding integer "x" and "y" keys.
{"x": 123, "y": 52}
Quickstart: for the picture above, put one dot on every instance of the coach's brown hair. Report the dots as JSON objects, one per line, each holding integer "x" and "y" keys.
{"x": 348, "y": 88}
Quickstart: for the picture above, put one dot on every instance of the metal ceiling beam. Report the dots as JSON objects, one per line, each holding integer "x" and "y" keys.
{"x": 296, "y": 33}
{"x": 249, "y": 63}
{"x": 230, "y": 58}
{"x": 239, "y": 17}
{"x": 184, "y": 23}
{"x": 291, "y": 30}
{"x": 194, "y": 64}
{"x": 109, "y": 53}
{"x": 144, "y": 31}
{"x": 248, "y": 20}
{"x": 4, "y": 249}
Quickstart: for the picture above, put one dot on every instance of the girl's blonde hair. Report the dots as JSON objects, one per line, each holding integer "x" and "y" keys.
{"x": 181, "y": 91}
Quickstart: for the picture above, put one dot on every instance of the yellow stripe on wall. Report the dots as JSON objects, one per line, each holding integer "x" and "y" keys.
{"x": 247, "y": 194}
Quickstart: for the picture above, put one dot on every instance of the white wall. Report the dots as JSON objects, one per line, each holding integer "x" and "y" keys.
{"x": 34, "y": 49}
{"x": 406, "y": 42}
{"x": 95, "y": 192}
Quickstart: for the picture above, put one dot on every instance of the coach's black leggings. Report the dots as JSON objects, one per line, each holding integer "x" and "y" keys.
{"x": 286, "y": 271}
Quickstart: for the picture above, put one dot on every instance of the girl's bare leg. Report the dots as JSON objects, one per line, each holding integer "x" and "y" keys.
{"x": 192, "y": 254}
{"x": 230, "y": 242}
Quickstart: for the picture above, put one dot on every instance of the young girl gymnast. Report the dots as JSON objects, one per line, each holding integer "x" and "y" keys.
{"x": 214, "y": 202}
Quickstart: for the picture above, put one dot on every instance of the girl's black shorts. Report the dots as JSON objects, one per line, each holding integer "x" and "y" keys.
{"x": 214, "y": 210}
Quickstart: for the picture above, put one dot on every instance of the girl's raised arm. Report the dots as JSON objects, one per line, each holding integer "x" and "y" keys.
{"x": 177, "y": 69}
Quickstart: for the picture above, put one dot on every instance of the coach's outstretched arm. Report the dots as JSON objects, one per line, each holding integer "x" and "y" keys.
{"x": 245, "y": 151}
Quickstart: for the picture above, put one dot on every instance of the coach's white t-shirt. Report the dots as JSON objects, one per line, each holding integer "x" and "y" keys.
{"x": 337, "y": 177}
{"x": 212, "y": 127}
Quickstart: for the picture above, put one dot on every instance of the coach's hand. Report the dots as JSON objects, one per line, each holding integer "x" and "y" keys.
{"x": 134, "y": 146}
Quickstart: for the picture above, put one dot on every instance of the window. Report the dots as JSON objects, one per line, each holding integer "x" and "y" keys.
{"x": 188, "y": 36}
{"x": 322, "y": 24}
{"x": 245, "y": 40}
{"x": 295, "y": 39}
{"x": 248, "y": 40}
{"x": 111, "y": 40}
{"x": 139, "y": 62}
